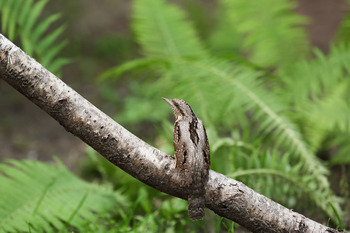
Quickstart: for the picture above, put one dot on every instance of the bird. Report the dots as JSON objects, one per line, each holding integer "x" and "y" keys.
{"x": 192, "y": 155}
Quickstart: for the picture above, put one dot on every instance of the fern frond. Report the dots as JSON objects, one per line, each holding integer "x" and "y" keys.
{"x": 142, "y": 63}
{"x": 264, "y": 169}
{"x": 267, "y": 35}
{"x": 317, "y": 77}
{"x": 325, "y": 115}
{"x": 319, "y": 90}
{"x": 20, "y": 20}
{"x": 42, "y": 197}
{"x": 162, "y": 30}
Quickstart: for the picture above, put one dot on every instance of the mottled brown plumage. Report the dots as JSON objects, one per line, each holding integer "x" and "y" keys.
{"x": 192, "y": 155}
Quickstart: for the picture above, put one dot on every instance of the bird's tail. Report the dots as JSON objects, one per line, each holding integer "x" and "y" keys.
{"x": 196, "y": 204}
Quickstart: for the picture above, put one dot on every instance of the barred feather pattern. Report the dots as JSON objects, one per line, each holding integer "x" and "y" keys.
{"x": 192, "y": 155}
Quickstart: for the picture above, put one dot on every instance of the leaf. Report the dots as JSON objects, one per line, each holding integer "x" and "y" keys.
{"x": 14, "y": 14}
{"x": 49, "y": 55}
{"x": 35, "y": 12}
{"x": 25, "y": 11}
{"x": 319, "y": 90}
{"x": 56, "y": 65}
{"x": 40, "y": 196}
{"x": 44, "y": 25}
{"x": 20, "y": 19}
{"x": 116, "y": 72}
{"x": 49, "y": 40}
{"x": 5, "y": 16}
{"x": 162, "y": 30}
{"x": 264, "y": 34}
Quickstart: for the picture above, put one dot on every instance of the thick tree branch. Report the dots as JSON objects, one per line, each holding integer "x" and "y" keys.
{"x": 226, "y": 197}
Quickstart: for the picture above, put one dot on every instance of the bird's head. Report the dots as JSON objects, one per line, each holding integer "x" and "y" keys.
{"x": 180, "y": 108}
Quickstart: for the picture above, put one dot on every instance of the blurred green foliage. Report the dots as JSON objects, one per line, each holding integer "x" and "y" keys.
{"x": 38, "y": 197}
{"x": 21, "y": 20}
{"x": 271, "y": 104}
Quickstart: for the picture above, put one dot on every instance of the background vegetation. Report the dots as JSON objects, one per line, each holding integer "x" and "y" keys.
{"x": 275, "y": 108}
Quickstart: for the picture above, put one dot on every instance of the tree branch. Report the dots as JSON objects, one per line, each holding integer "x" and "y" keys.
{"x": 226, "y": 197}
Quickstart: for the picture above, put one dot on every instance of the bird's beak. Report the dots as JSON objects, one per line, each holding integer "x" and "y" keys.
{"x": 168, "y": 101}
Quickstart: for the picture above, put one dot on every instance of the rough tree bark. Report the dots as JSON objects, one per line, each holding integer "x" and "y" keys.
{"x": 226, "y": 197}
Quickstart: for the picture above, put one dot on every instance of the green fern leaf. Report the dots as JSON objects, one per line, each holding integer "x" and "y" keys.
{"x": 162, "y": 30}
{"x": 265, "y": 36}
{"x": 319, "y": 90}
{"x": 35, "y": 12}
{"x": 39, "y": 196}
{"x": 5, "y": 15}
{"x": 20, "y": 19}
{"x": 57, "y": 64}
{"x": 49, "y": 40}
{"x": 44, "y": 25}
{"x": 141, "y": 63}
{"x": 25, "y": 11}
{"x": 52, "y": 53}
{"x": 13, "y": 14}
{"x": 266, "y": 169}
